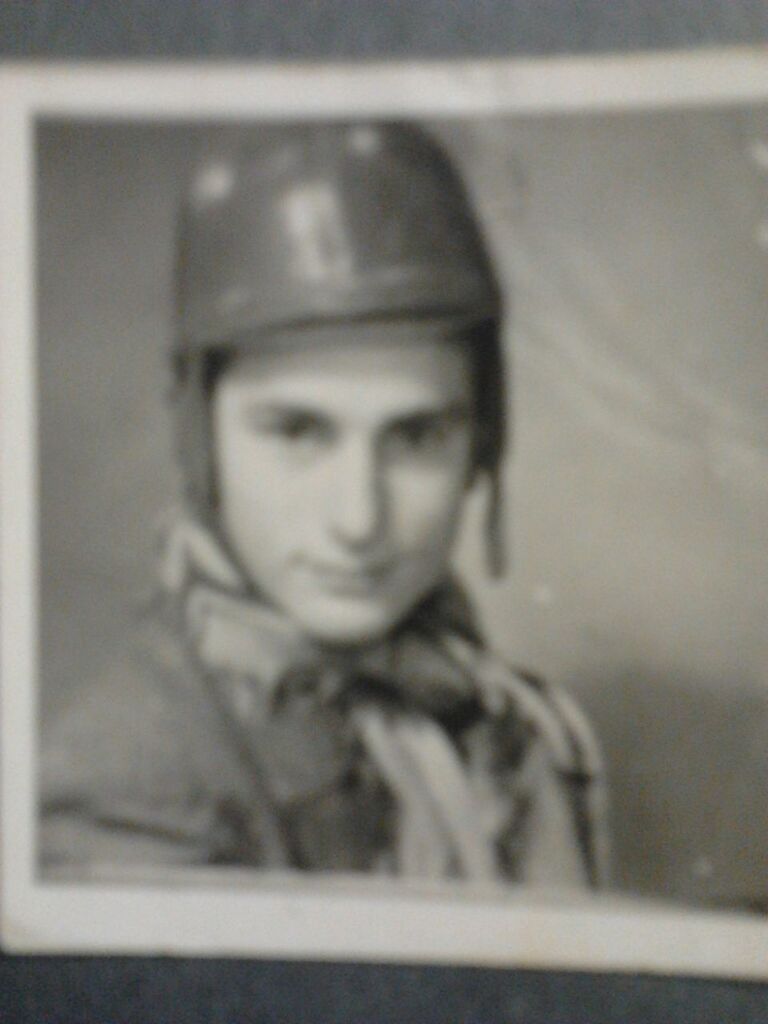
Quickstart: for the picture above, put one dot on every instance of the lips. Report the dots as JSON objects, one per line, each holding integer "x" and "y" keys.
{"x": 352, "y": 581}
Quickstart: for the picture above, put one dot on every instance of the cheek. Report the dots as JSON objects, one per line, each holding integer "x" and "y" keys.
{"x": 426, "y": 507}
{"x": 257, "y": 505}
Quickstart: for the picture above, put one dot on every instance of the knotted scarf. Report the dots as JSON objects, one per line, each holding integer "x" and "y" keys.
{"x": 447, "y": 738}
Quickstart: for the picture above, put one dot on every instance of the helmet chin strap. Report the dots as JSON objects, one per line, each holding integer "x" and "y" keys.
{"x": 495, "y": 528}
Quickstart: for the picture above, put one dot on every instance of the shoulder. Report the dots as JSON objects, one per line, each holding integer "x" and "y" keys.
{"x": 123, "y": 719}
{"x": 120, "y": 773}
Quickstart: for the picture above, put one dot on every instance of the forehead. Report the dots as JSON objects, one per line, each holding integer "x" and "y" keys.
{"x": 387, "y": 371}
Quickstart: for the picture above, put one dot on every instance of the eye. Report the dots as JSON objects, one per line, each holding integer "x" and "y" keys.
{"x": 425, "y": 435}
{"x": 296, "y": 429}
{"x": 421, "y": 433}
{"x": 300, "y": 427}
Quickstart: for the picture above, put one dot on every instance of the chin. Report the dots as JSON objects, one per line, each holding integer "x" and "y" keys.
{"x": 343, "y": 625}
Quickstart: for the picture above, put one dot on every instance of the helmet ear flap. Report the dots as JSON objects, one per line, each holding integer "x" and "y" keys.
{"x": 491, "y": 427}
{"x": 191, "y": 400}
{"x": 495, "y": 527}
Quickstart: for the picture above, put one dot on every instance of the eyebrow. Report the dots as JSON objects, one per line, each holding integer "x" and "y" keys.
{"x": 456, "y": 412}
{"x": 453, "y": 412}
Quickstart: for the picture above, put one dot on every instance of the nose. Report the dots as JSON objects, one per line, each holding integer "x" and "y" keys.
{"x": 357, "y": 495}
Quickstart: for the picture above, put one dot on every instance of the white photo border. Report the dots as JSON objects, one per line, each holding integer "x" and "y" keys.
{"x": 264, "y": 918}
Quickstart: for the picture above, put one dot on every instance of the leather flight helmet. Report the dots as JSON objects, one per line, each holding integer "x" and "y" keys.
{"x": 322, "y": 224}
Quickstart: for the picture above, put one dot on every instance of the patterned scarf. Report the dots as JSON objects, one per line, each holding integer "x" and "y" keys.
{"x": 404, "y": 701}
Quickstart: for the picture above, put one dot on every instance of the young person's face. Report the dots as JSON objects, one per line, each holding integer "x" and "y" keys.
{"x": 341, "y": 470}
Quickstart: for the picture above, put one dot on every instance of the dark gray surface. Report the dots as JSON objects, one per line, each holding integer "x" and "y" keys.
{"x": 131, "y": 991}
{"x": 366, "y": 28}
{"x": 95, "y": 990}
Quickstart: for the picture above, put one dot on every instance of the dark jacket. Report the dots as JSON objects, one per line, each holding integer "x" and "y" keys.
{"x": 214, "y": 744}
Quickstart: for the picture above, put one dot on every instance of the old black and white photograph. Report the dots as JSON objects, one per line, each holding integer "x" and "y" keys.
{"x": 385, "y": 502}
